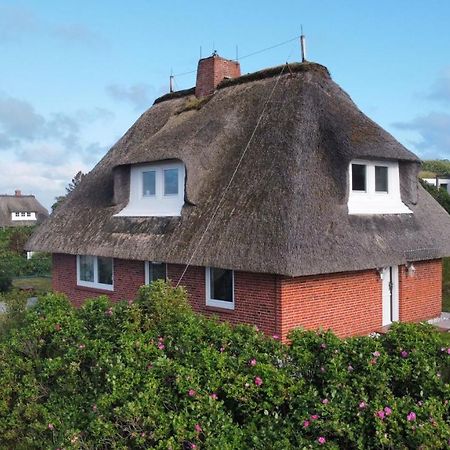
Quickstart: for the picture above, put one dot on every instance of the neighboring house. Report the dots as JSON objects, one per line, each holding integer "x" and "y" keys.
{"x": 270, "y": 196}
{"x": 21, "y": 210}
{"x": 439, "y": 182}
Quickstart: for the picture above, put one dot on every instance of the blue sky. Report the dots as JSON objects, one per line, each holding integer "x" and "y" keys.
{"x": 76, "y": 74}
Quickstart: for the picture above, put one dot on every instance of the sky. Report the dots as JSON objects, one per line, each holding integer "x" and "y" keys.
{"x": 76, "y": 74}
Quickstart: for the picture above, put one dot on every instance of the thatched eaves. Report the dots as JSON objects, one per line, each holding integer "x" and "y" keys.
{"x": 20, "y": 203}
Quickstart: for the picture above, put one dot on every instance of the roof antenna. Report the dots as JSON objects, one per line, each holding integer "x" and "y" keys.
{"x": 171, "y": 81}
{"x": 303, "y": 45}
{"x": 237, "y": 53}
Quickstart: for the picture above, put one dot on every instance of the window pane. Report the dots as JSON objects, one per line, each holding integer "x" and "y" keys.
{"x": 381, "y": 179}
{"x": 221, "y": 284}
{"x": 444, "y": 186}
{"x": 157, "y": 271}
{"x": 87, "y": 268}
{"x": 358, "y": 177}
{"x": 149, "y": 183}
{"x": 170, "y": 181}
{"x": 105, "y": 266}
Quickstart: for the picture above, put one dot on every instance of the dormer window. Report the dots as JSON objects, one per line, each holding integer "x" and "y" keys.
{"x": 375, "y": 188}
{"x": 28, "y": 216}
{"x": 156, "y": 190}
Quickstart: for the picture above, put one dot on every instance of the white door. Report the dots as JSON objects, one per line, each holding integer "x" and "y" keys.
{"x": 390, "y": 295}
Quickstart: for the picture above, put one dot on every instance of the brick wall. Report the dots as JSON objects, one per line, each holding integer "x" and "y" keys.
{"x": 211, "y": 71}
{"x": 128, "y": 277}
{"x": 255, "y": 296}
{"x": 421, "y": 293}
{"x": 349, "y": 303}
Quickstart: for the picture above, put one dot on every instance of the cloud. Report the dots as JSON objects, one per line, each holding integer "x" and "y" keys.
{"x": 434, "y": 133}
{"x": 18, "y": 23}
{"x": 139, "y": 95}
{"x": 440, "y": 89}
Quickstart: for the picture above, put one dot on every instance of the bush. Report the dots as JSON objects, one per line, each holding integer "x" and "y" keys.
{"x": 152, "y": 374}
{"x": 5, "y": 279}
{"x": 15, "y": 303}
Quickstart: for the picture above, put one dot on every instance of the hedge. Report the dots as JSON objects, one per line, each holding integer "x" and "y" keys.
{"x": 153, "y": 374}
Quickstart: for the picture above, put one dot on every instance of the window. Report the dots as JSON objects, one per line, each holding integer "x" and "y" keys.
{"x": 444, "y": 186}
{"x": 219, "y": 287}
{"x": 22, "y": 214}
{"x": 95, "y": 272}
{"x": 155, "y": 271}
{"x": 156, "y": 190}
{"x": 381, "y": 179}
{"x": 358, "y": 177}
{"x": 374, "y": 188}
{"x": 28, "y": 214}
{"x": 149, "y": 183}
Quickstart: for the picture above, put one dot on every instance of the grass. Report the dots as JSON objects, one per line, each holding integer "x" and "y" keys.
{"x": 39, "y": 285}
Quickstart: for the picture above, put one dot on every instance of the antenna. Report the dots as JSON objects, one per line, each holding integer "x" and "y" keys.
{"x": 237, "y": 53}
{"x": 303, "y": 44}
{"x": 171, "y": 81}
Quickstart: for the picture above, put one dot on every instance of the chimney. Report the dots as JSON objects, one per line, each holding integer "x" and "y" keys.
{"x": 18, "y": 193}
{"x": 211, "y": 71}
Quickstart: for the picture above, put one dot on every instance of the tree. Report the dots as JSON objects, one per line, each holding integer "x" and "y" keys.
{"x": 439, "y": 194}
{"x": 76, "y": 180}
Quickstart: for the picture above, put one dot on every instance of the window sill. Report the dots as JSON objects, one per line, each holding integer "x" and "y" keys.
{"x": 219, "y": 309}
{"x": 99, "y": 290}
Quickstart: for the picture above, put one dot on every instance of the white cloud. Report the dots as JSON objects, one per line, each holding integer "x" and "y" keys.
{"x": 139, "y": 95}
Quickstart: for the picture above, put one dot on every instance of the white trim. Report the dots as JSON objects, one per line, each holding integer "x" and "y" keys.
{"x": 371, "y": 201}
{"x": 95, "y": 284}
{"x": 147, "y": 270}
{"x": 213, "y": 302}
{"x": 23, "y": 216}
{"x": 160, "y": 204}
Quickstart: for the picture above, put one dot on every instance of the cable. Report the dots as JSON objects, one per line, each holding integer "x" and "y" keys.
{"x": 232, "y": 176}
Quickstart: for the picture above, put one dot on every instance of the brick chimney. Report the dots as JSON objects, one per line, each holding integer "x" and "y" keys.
{"x": 211, "y": 71}
{"x": 18, "y": 193}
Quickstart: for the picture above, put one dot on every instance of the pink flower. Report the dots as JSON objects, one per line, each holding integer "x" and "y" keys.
{"x": 222, "y": 349}
{"x": 160, "y": 339}
{"x": 149, "y": 366}
{"x": 58, "y": 327}
{"x": 252, "y": 362}
{"x": 404, "y": 354}
{"x": 323, "y": 345}
{"x": 258, "y": 381}
{"x": 51, "y": 426}
{"x": 192, "y": 393}
{"x": 376, "y": 354}
{"x": 108, "y": 312}
{"x": 161, "y": 346}
{"x": 130, "y": 302}
{"x": 94, "y": 408}
{"x": 314, "y": 417}
{"x": 322, "y": 369}
{"x": 213, "y": 396}
{"x": 198, "y": 428}
{"x": 380, "y": 414}
{"x": 306, "y": 423}
{"x": 373, "y": 361}
{"x": 142, "y": 434}
{"x": 325, "y": 401}
{"x": 81, "y": 346}
{"x": 192, "y": 445}
{"x": 448, "y": 351}
{"x": 275, "y": 336}
{"x": 411, "y": 417}
{"x": 321, "y": 440}
{"x": 387, "y": 410}
{"x": 350, "y": 368}
{"x": 362, "y": 405}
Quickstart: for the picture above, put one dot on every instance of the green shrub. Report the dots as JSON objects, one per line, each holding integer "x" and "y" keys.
{"x": 15, "y": 307}
{"x": 152, "y": 374}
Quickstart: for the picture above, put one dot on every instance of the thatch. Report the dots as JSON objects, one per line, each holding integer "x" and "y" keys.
{"x": 20, "y": 203}
{"x": 286, "y": 210}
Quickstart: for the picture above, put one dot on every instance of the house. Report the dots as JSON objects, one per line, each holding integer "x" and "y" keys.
{"x": 20, "y": 210}
{"x": 441, "y": 182}
{"x": 270, "y": 196}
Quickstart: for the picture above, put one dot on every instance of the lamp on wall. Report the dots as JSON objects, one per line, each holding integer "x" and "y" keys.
{"x": 411, "y": 269}
{"x": 380, "y": 271}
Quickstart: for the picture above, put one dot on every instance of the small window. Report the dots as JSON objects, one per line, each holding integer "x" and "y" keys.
{"x": 358, "y": 177}
{"x": 148, "y": 183}
{"x": 28, "y": 214}
{"x": 17, "y": 214}
{"x": 444, "y": 186}
{"x": 155, "y": 271}
{"x": 95, "y": 271}
{"x": 170, "y": 181}
{"x": 23, "y": 214}
{"x": 381, "y": 179}
{"x": 220, "y": 287}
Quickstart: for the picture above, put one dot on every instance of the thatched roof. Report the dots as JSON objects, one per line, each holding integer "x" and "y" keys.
{"x": 286, "y": 210}
{"x": 20, "y": 203}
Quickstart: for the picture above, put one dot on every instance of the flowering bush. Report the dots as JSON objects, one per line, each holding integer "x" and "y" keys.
{"x": 152, "y": 374}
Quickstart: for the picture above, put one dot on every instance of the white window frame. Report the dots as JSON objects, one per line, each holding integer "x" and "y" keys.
{"x": 23, "y": 216}
{"x": 214, "y": 302}
{"x": 371, "y": 201}
{"x": 94, "y": 284}
{"x": 160, "y": 204}
{"x": 147, "y": 269}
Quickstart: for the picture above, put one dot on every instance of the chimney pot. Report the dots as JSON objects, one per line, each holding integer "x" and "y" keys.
{"x": 18, "y": 192}
{"x": 211, "y": 71}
